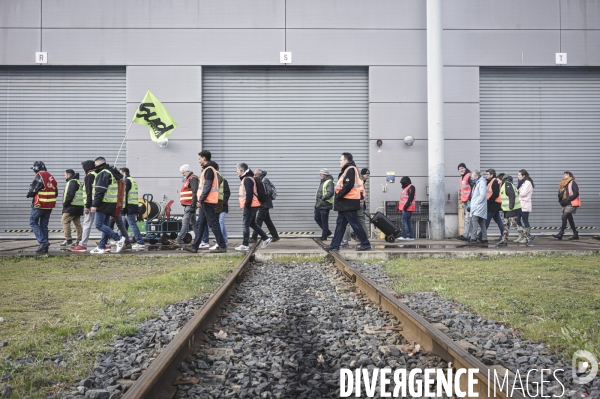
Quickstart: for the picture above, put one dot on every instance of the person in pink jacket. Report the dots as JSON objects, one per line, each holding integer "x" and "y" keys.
{"x": 525, "y": 187}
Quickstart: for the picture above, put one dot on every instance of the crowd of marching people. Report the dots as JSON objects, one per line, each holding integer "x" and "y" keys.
{"x": 108, "y": 197}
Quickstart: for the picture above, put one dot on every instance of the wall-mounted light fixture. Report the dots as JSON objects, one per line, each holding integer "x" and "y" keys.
{"x": 379, "y": 143}
{"x": 409, "y": 141}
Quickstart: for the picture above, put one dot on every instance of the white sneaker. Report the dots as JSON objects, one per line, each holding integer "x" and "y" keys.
{"x": 120, "y": 244}
{"x": 242, "y": 248}
{"x": 214, "y": 247}
{"x": 204, "y": 245}
{"x": 138, "y": 246}
{"x": 266, "y": 242}
{"x": 97, "y": 251}
{"x": 402, "y": 238}
{"x": 410, "y": 239}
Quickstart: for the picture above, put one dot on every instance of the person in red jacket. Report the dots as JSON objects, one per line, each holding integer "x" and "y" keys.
{"x": 407, "y": 206}
{"x": 44, "y": 190}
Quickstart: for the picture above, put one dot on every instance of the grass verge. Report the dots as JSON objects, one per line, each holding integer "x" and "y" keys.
{"x": 551, "y": 299}
{"x": 48, "y": 301}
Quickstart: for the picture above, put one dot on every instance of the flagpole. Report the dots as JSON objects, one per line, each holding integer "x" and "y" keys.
{"x": 124, "y": 138}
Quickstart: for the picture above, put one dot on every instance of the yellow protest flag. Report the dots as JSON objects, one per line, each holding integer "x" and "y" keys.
{"x": 154, "y": 115}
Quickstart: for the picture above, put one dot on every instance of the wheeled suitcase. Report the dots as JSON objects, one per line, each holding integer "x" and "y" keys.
{"x": 386, "y": 226}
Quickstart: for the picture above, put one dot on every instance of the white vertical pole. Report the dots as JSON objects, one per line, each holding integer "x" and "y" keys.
{"x": 435, "y": 115}
{"x": 124, "y": 138}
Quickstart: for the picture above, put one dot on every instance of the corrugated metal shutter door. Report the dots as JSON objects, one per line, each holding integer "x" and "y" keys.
{"x": 58, "y": 115}
{"x": 290, "y": 122}
{"x": 547, "y": 121}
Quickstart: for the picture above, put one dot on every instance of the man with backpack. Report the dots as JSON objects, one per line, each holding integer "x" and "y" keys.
{"x": 263, "y": 215}
{"x": 249, "y": 202}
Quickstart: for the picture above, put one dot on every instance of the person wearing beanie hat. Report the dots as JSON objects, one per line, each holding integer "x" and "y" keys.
{"x": 72, "y": 207}
{"x": 44, "y": 190}
{"x": 349, "y": 233}
{"x": 324, "y": 203}
{"x": 466, "y": 185}
{"x": 88, "y": 216}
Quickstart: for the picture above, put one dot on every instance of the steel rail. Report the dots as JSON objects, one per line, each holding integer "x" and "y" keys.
{"x": 157, "y": 381}
{"x": 417, "y": 329}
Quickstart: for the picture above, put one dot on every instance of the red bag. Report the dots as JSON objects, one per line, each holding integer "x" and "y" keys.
{"x": 120, "y": 197}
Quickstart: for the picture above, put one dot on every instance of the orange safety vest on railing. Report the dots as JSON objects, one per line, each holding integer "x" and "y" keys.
{"x": 465, "y": 187}
{"x": 46, "y": 197}
{"x": 576, "y": 201}
{"x": 213, "y": 195}
{"x": 242, "y": 194}
{"x": 490, "y": 192}
{"x": 356, "y": 190}
{"x": 185, "y": 194}
{"x": 404, "y": 199}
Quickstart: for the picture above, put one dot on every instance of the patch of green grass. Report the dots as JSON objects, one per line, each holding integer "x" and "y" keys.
{"x": 551, "y": 299}
{"x": 49, "y": 300}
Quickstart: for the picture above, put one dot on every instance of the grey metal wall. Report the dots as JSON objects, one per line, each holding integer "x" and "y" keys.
{"x": 61, "y": 116}
{"x": 547, "y": 121}
{"x": 290, "y": 122}
{"x": 165, "y": 43}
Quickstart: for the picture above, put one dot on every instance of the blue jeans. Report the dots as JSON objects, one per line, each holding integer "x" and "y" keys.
{"x": 524, "y": 217}
{"x": 223, "y": 228}
{"x": 208, "y": 218}
{"x": 38, "y": 221}
{"x": 322, "y": 219}
{"x": 132, "y": 220}
{"x": 407, "y": 227}
{"x": 342, "y": 221}
{"x": 102, "y": 221}
{"x": 249, "y": 220}
{"x": 497, "y": 219}
{"x": 120, "y": 222}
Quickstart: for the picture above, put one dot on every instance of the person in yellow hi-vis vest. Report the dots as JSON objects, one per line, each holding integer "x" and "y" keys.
{"x": 104, "y": 202}
{"x": 72, "y": 207}
{"x": 324, "y": 203}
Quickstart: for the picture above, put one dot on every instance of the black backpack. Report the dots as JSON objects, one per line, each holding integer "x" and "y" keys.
{"x": 261, "y": 191}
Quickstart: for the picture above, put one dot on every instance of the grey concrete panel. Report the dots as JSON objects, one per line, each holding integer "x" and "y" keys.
{"x": 160, "y": 186}
{"x": 461, "y": 84}
{"x": 147, "y": 47}
{"x": 501, "y": 14}
{"x": 356, "y": 14}
{"x": 187, "y": 115}
{"x": 20, "y": 13}
{"x": 409, "y": 84}
{"x": 164, "y": 14}
{"x": 580, "y": 14}
{"x": 501, "y": 48}
{"x": 394, "y": 121}
{"x": 461, "y": 121}
{"x": 357, "y": 47}
{"x": 397, "y": 120}
{"x": 412, "y": 161}
{"x": 167, "y": 83}
{"x": 18, "y": 46}
{"x": 146, "y": 159}
{"x": 582, "y": 47}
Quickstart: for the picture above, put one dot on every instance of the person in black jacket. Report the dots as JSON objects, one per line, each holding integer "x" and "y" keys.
{"x": 494, "y": 203}
{"x": 207, "y": 216}
{"x": 324, "y": 203}
{"x": 88, "y": 215}
{"x": 568, "y": 197}
{"x": 347, "y": 203}
{"x": 43, "y": 191}
{"x": 406, "y": 205}
{"x": 248, "y": 201}
{"x": 104, "y": 204}
{"x": 130, "y": 210}
{"x": 223, "y": 214}
{"x": 73, "y": 202}
{"x": 263, "y": 214}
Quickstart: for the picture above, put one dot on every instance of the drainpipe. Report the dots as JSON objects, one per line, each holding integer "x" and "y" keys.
{"x": 435, "y": 116}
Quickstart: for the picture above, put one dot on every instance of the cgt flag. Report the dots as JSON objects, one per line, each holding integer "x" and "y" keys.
{"x": 154, "y": 115}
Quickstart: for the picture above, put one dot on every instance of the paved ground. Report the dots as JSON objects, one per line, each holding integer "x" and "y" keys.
{"x": 381, "y": 249}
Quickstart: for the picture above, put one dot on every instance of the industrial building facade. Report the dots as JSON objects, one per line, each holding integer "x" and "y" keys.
{"x": 358, "y": 75}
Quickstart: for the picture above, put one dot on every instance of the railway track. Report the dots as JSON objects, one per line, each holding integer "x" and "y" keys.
{"x": 199, "y": 358}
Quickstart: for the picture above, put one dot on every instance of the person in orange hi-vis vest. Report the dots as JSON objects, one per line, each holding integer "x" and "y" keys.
{"x": 188, "y": 200}
{"x": 249, "y": 203}
{"x": 407, "y": 206}
{"x": 570, "y": 199}
{"x": 44, "y": 190}
{"x": 208, "y": 197}
{"x": 466, "y": 184}
{"x": 347, "y": 203}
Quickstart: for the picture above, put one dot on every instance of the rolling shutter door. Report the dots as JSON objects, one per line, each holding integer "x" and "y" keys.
{"x": 58, "y": 115}
{"x": 547, "y": 121}
{"x": 290, "y": 122}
